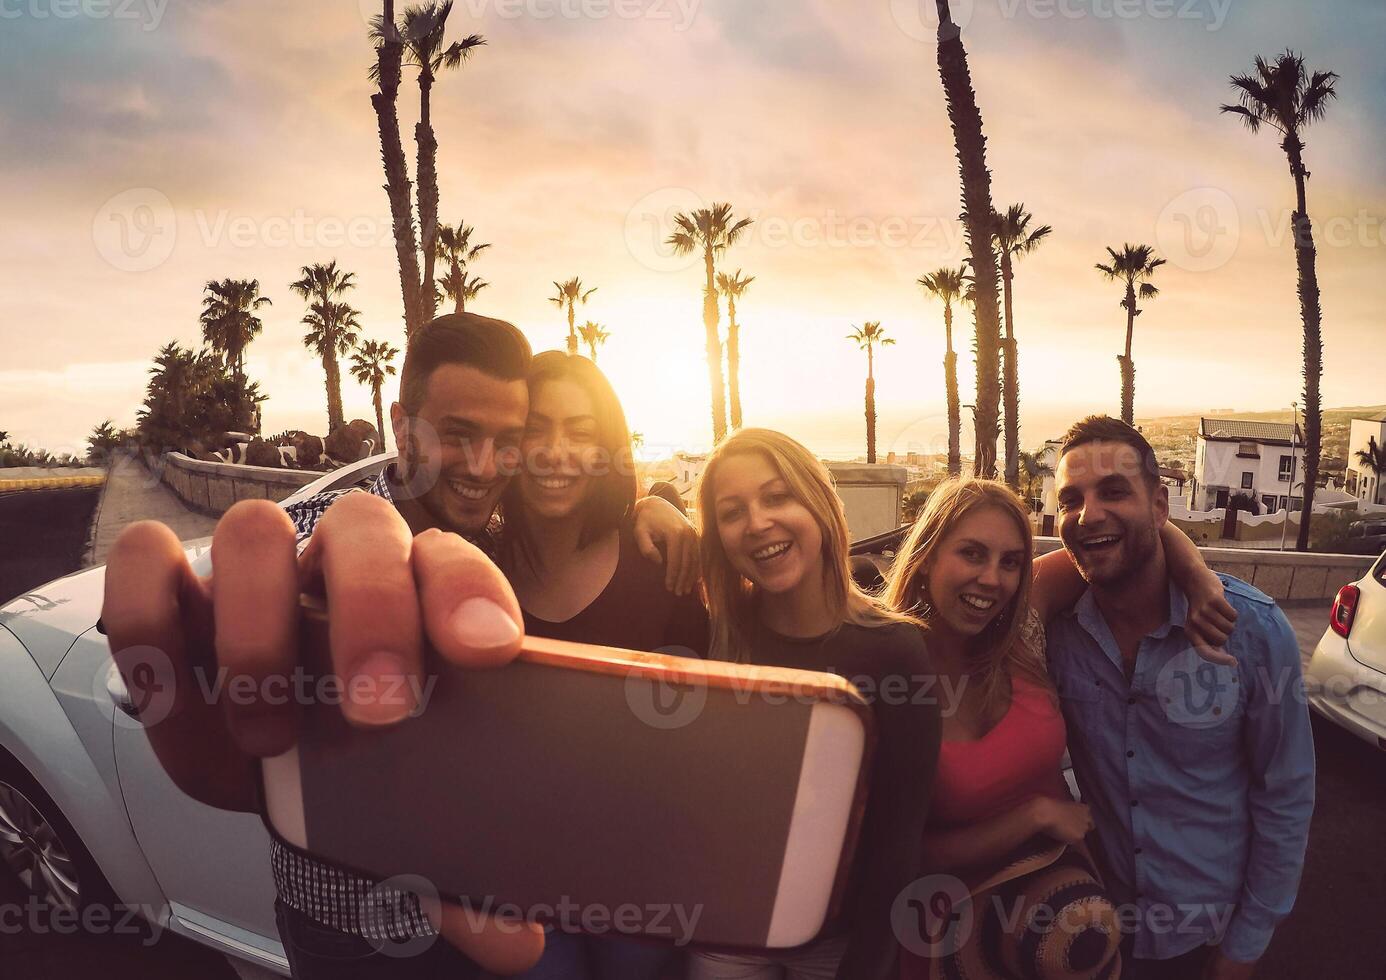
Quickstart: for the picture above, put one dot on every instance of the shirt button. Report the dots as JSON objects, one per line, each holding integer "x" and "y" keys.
{"x": 1135, "y": 803}
{"x": 1138, "y": 850}
{"x": 1131, "y": 700}
{"x": 1130, "y": 755}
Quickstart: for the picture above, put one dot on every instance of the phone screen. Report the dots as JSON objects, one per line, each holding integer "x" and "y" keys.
{"x": 533, "y": 786}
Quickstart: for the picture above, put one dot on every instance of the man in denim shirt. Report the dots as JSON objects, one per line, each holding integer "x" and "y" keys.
{"x": 1200, "y": 775}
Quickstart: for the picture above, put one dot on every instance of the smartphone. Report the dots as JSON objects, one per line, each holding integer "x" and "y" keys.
{"x": 705, "y": 803}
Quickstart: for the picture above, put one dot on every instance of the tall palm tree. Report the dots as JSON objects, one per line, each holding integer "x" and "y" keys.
{"x": 389, "y": 48}
{"x": 594, "y": 336}
{"x": 1012, "y": 237}
{"x": 459, "y": 287}
{"x": 456, "y": 249}
{"x": 423, "y": 33}
{"x": 567, "y": 295}
{"x": 370, "y": 364}
{"x": 1287, "y": 97}
{"x": 333, "y": 332}
{"x": 1133, "y": 266}
{"x": 320, "y": 285}
{"x": 712, "y": 230}
{"x": 229, "y": 322}
{"x": 947, "y": 284}
{"x": 733, "y": 287}
{"x": 966, "y": 120}
{"x": 1372, "y": 458}
{"x": 867, "y": 337}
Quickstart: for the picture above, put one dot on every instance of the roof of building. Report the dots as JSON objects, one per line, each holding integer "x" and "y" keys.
{"x": 1241, "y": 430}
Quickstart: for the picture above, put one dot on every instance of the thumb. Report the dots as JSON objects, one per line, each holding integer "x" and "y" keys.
{"x": 499, "y": 944}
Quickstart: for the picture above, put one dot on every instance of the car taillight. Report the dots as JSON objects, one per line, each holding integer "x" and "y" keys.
{"x": 1340, "y": 619}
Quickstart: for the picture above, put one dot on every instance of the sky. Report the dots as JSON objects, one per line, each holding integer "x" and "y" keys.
{"x": 149, "y": 146}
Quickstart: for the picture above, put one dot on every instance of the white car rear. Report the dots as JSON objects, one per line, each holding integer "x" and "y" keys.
{"x": 1346, "y": 679}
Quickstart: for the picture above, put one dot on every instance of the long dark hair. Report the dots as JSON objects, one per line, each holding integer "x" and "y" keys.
{"x": 612, "y": 492}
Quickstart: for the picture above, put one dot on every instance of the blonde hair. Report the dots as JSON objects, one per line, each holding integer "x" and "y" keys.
{"x": 730, "y": 595}
{"x": 998, "y": 651}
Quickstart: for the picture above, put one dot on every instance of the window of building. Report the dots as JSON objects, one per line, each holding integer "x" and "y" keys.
{"x": 1285, "y": 463}
{"x": 1249, "y": 450}
{"x": 1246, "y": 481}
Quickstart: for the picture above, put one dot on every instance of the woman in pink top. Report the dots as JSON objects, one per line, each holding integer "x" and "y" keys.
{"x": 1002, "y": 826}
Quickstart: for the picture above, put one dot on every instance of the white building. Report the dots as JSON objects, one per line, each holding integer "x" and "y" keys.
{"x": 1255, "y": 458}
{"x": 1363, "y": 482}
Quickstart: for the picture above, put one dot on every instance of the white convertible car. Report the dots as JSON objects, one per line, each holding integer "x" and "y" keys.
{"x": 86, "y": 811}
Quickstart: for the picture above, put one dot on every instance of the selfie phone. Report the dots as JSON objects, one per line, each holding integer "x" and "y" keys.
{"x": 706, "y": 802}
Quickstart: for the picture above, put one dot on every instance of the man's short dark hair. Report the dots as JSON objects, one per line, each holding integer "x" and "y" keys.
{"x": 1104, "y": 428}
{"x": 493, "y": 347}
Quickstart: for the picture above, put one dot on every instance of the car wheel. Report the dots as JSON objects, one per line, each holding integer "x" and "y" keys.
{"x": 40, "y": 849}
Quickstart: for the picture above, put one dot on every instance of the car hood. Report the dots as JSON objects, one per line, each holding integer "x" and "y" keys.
{"x": 49, "y": 618}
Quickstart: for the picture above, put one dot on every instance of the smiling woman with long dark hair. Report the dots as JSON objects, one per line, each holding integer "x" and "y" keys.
{"x": 571, "y": 557}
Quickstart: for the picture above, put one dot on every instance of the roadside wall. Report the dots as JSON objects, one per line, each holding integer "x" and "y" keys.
{"x": 1282, "y": 575}
{"x": 211, "y": 488}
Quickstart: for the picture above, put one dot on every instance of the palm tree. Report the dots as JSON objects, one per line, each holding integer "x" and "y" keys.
{"x": 422, "y": 33}
{"x": 713, "y": 231}
{"x": 970, "y": 144}
{"x": 947, "y": 285}
{"x": 1034, "y": 467}
{"x": 320, "y": 285}
{"x": 867, "y": 337}
{"x": 1133, "y": 266}
{"x": 370, "y": 364}
{"x": 1372, "y": 458}
{"x": 1286, "y": 97}
{"x": 568, "y": 295}
{"x": 733, "y": 287}
{"x": 459, "y": 287}
{"x": 229, "y": 322}
{"x": 333, "y": 333}
{"x": 456, "y": 249}
{"x": 593, "y": 336}
{"x": 1012, "y": 237}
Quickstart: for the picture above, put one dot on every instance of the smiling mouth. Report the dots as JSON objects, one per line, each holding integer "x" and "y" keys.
{"x": 979, "y": 603}
{"x": 555, "y": 482}
{"x": 1100, "y": 543}
{"x": 770, "y": 552}
{"x": 468, "y": 492}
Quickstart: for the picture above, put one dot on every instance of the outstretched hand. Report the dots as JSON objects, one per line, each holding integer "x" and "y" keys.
{"x": 386, "y": 590}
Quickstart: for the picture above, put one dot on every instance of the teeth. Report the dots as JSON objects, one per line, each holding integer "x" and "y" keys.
{"x": 466, "y": 492}
{"x": 1107, "y": 539}
{"x": 977, "y": 602}
{"x": 771, "y": 551}
{"x": 554, "y": 483}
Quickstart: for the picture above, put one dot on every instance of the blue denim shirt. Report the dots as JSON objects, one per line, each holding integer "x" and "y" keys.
{"x": 1200, "y": 776}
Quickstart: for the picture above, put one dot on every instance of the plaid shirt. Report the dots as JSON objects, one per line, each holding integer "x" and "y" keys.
{"x": 330, "y": 895}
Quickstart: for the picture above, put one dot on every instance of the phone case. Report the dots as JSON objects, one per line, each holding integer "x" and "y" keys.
{"x": 562, "y": 782}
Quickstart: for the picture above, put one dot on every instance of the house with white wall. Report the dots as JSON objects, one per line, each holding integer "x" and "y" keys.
{"x": 1363, "y": 482}
{"x": 1255, "y": 458}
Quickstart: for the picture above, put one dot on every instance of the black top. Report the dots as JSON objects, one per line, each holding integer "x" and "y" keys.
{"x": 635, "y": 612}
{"x": 890, "y": 667}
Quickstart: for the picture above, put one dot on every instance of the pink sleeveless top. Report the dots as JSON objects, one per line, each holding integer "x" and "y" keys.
{"x": 1018, "y": 759}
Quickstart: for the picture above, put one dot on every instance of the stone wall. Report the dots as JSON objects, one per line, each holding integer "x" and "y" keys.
{"x": 1282, "y": 575}
{"x": 211, "y": 488}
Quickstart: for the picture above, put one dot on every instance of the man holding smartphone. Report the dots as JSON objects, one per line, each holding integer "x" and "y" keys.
{"x": 1200, "y": 775}
{"x": 409, "y": 558}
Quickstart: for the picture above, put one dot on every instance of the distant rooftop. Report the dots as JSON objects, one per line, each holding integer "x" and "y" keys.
{"x": 1240, "y": 430}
